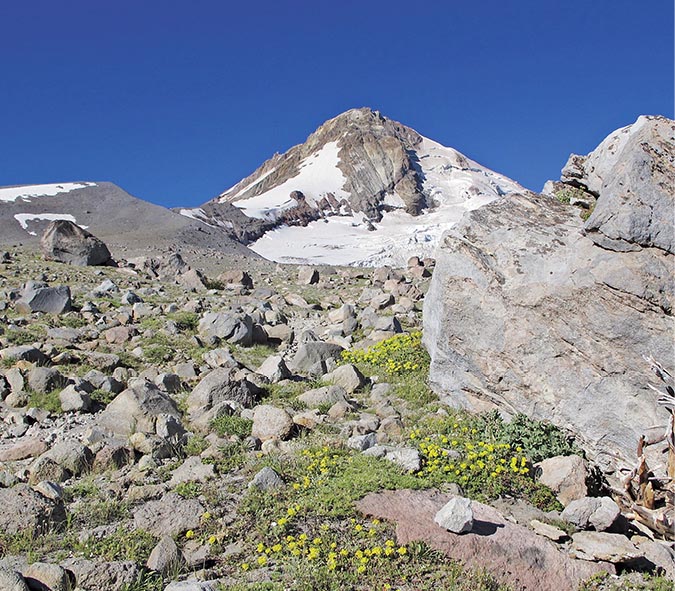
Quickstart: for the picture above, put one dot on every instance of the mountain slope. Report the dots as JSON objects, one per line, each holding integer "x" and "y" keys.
{"x": 128, "y": 225}
{"x": 362, "y": 189}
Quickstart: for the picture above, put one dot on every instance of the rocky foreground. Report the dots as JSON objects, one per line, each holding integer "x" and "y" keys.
{"x": 271, "y": 428}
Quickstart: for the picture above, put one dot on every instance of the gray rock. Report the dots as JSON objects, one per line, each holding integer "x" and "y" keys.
{"x": 266, "y": 479}
{"x": 24, "y": 353}
{"x": 165, "y": 556}
{"x": 274, "y": 368}
{"x": 326, "y": 395}
{"x": 236, "y": 330}
{"x": 74, "y": 400}
{"x": 659, "y": 554}
{"x": 508, "y": 285}
{"x": 599, "y": 513}
{"x": 66, "y": 242}
{"x": 217, "y": 387}
{"x": 25, "y": 510}
{"x": 565, "y": 476}
{"x": 270, "y": 422}
{"x": 11, "y": 580}
{"x": 614, "y": 548}
{"x": 348, "y": 376}
{"x": 45, "y": 379}
{"x": 169, "y": 516}
{"x": 135, "y": 410}
{"x": 37, "y": 297}
{"x": 23, "y": 449}
{"x": 45, "y": 468}
{"x": 308, "y": 276}
{"x": 192, "y": 470}
{"x": 50, "y": 490}
{"x": 311, "y": 355}
{"x": 632, "y": 173}
{"x": 42, "y": 576}
{"x": 456, "y": 515}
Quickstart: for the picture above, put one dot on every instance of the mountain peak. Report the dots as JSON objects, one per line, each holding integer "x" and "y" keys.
{"x": 359, "y": 170}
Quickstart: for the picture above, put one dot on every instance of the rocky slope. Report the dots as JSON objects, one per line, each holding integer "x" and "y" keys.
{"x": 362, "y": 189}
{"x": 129, "y": 226}
{"x": 175, "y": 437}
{"x": 537, "y": 309}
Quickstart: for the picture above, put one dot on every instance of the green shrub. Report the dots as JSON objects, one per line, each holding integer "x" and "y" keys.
{"x": 232, "y": 425}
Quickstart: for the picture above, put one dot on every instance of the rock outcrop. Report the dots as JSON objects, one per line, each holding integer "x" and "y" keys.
{"x": 530, "y": 310}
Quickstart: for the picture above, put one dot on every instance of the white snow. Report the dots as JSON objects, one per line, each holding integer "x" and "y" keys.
{"x": 245, "y": 188}
{"x": 24, "y": 218}
{"x": 196, "y": 213}
{"x": 27, "y": 192}
{"x": 318, "y": 175}
{"x": 452, "y": 183}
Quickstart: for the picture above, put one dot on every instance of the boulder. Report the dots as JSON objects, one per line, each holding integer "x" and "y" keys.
{"x": 65, "y": 242}
{"x": 266, "y": 479}
{"x": 45, "y": 379}
{"x": 348, "y": 376}
{"x": 169, "y": 516}
{"x": 38, "y": 297}
{"x": 632, "y": 173}
{"x": 24, "y": 510}
{"x": 73, "y": 399}
{"x": 111, "y": 576}
{"x": 136, "y": 409}
{"x": 565, "y": 476}
{"x": 326, "y": 395}
{"x": 525, "y": 312}
{"x": 270, "y": 422}
{"x": 308, "y": 276}
{"x": 274, "y": 368}
{"x": 599, "y": 513}
{"x": 23, "y": 353}
{"x": 237, "y": 330}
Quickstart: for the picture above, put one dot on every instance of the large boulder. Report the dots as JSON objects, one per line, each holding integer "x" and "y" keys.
{"x": 512, "y": 553}
{"x": 38, "y": 297}
{"x": 137, "y": 410}
{"x": 633, "y": 173}
{"x": 527, "y": 313}
{"x": 66, "y": 242}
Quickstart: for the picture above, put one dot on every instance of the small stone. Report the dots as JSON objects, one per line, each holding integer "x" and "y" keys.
{"x": 165, "y": 556}
{"x": 270, "y": 422}
{"x": 456, "y": 515}
{"x": 548, "y": 531}
{"x": 266, "y": 479}
{"x": 615, "y": 548}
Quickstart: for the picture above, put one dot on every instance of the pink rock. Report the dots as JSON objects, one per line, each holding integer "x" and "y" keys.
{"x": 28, "y": 448}
{"x": 510, "y": 552}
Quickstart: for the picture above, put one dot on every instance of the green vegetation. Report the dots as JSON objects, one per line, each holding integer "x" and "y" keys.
{"x": 232, "y": 425}
{"x": 123, "y": 544}
{"x": 46, "y": 400}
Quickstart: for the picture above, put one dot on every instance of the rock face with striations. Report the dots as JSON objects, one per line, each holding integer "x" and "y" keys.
{"x": 534, "y": 311}
{"x": 65, "y": 242}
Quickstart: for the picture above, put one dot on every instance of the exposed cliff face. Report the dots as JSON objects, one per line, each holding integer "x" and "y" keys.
{"x": 351, "y": 173}
{"x": 532, "y": 311}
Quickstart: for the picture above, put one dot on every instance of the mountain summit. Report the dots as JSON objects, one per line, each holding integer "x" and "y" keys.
{"x": 363, "y": 189}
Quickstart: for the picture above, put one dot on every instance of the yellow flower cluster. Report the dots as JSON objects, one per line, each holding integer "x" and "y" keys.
{"x": 462, "y": 458}
{"x": 400, "y": 354}
{"x": 360, "y": 551}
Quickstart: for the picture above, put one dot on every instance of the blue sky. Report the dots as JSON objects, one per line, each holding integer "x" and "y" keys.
{"x": 177, "y": 101}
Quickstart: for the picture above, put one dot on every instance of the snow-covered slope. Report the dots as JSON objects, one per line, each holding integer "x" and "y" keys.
{"x": 453, "y": 185}
{"x": 362, "y": 190}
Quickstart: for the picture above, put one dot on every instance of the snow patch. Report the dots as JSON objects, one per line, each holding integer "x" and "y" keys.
{"x": 11, "y": 194}
{"x": 24, "y": 218}
{"x": 317, "y": 176}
